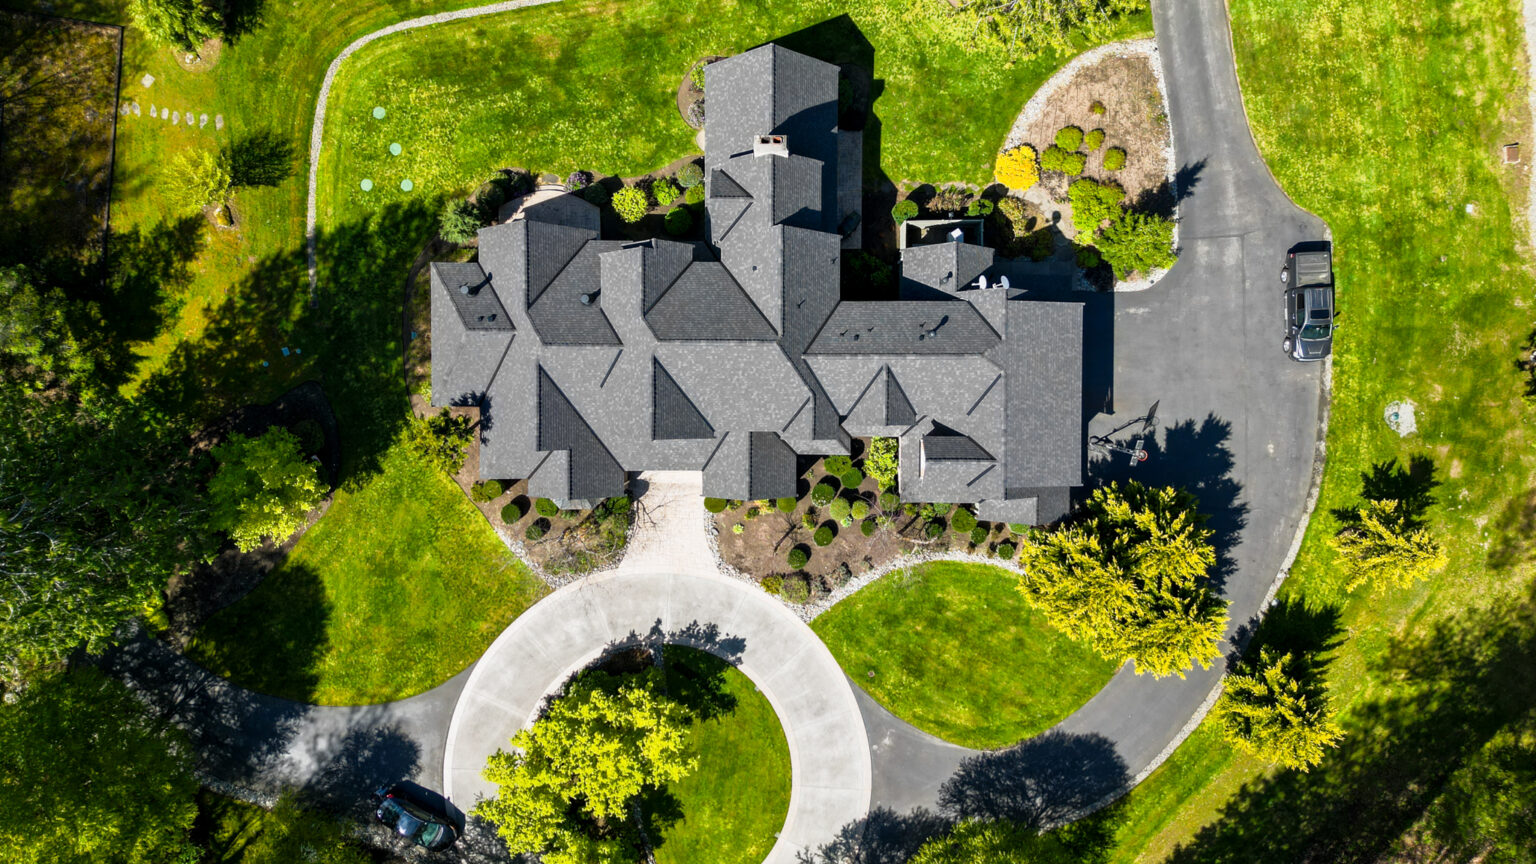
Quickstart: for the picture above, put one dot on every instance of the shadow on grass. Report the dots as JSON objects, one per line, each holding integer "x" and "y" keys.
{"x": 273, "y": 640}
{"x": 1290, "y": 627}
{"x": 1456, "y": 684}
{"x": 1411, "y": 487}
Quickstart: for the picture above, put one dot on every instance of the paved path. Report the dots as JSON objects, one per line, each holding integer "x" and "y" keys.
{"x": 1239, "y": 423}
{"x": 667, "y": 589}
{"x": 317, "y": 128}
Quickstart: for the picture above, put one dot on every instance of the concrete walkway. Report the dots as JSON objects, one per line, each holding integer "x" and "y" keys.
{"x": 667, "y": 589}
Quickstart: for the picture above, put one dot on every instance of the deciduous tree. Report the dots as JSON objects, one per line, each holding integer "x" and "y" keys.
{"x": 1130, "y": 577}
{"x": 263, "y": 488}
{"x": 1134, "y": 241}
{"x": 181, "y": 24}
{"x": 293, "y": 834}
{"x": 880, "y": 463}
{"x": 1275, "y": 713}
{"x": 35, "y": 337}
{"x": 197, "y": 179}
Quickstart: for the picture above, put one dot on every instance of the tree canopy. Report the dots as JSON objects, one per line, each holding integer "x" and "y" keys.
{"x": 1032, "y": 26}
{"x": 1386, "y": 547}
{"x": 441, "y": 438}
{"x": 263, "y": 488}
{"x": 1275, "y": 713}
{"x": 880, "y": 463}
{"x": 87, "y": 774}
{"x": 292, "y": 834}
{"x": 36, "y": 342}
{"x": 1130, "y": 577}
{"x": 180, "y": 24}
{"x": 567, "y": 787}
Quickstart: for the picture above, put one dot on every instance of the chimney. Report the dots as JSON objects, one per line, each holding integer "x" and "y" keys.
{"x": 770, "y": 145}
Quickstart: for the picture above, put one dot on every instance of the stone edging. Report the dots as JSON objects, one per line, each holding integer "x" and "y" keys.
{"x": 1032, "y": 109}
{"x": 317, "y": 128}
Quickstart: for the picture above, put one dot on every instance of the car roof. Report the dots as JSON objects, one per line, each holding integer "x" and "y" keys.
{"x": 1314, "y": 268}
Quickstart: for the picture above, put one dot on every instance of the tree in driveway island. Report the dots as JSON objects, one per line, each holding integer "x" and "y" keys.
{"x": 263, "y": 488}
{"x": 568, "y": 789}
{"x": 1130, "y": 576}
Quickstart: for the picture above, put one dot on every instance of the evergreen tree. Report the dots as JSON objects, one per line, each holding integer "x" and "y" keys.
{"x": 180, "y": 24}
{"x": 440, "y": 439}
{"x": 1271, "y": 712}
{"x": 1387, "y": 549}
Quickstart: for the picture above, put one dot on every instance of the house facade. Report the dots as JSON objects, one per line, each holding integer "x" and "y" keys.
{"x": 592, "y": 358}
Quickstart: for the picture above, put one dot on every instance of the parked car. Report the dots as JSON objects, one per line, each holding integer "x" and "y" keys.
{"x": 1308, "y": 278}
{"x": 413, "y": 821}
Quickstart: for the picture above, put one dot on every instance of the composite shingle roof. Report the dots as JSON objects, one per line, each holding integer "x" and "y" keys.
{"x": 905, "y": 327}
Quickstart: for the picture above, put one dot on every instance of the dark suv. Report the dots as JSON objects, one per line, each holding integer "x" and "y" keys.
{"x": 411, "y": 820}
{"x": 1308, "y": 278}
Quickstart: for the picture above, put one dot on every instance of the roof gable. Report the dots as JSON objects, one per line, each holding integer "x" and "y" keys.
{"x": 673, "y": 414}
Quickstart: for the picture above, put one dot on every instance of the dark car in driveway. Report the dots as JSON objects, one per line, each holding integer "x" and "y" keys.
{"x": 1308, "y": 278}
{"x": 412, "y": 820}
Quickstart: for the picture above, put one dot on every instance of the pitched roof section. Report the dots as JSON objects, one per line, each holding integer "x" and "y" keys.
{"x": 898, "y": 408}
{"x": 947, "y": 445}
{"x": 942, "y": 267}
{"x": 905, "y": 327}
{"x": 722, "y": 186}
{"x": 751, "y": 465}
{"x": 560, "y": 316}
{"x": 473, "y": 298}
{"x": 550, "y": 248}
{"x": 705, "y": 303}
{"x": 673, "y": 414}
{"x": 1044, "y": 414}
{"x": 593, "y": 472}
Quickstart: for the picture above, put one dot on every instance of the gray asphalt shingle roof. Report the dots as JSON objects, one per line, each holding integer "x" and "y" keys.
{"x": 905, "y": 327}
{"x": 673, "y": 414}
{"x": 705, "y": 303}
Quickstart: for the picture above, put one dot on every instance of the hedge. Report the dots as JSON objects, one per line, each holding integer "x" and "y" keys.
{"x": 1066, "y": 161}
{"x": 547, "y": 508}
{"x": 714, "y": 505}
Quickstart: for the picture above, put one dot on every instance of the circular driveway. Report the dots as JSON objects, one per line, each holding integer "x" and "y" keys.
{"x": 828, "y": 749}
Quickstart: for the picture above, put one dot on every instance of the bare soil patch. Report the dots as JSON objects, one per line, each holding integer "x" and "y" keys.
{"x": 206, "y": 56}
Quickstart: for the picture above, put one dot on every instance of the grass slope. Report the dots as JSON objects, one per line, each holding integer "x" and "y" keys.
{"x": 732, "y": 808}
{"x": 1384, "y": 118}
{"x": 398, "y": 588}
{"x": 957, "y": 652}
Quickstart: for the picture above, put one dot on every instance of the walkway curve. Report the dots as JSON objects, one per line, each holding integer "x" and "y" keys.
{"x": 688, "y": 602}
{"x": 317, "y": 128}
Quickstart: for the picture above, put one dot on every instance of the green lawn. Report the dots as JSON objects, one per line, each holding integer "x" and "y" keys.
{"x": 732, "y": 807}
{"x": 399, "y": 587}
{"x": 956, "y": 652}
{"x": 1384, "y": 119}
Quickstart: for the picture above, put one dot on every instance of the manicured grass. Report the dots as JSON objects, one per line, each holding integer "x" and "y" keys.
{"x": 957, "y": 652}
{"x": 398, "y": 588}
{"x": 732, "y": 807}
{"x": 1384, "y": 118}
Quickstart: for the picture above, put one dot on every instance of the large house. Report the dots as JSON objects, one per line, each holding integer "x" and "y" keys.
{"x": 592, "y": 358}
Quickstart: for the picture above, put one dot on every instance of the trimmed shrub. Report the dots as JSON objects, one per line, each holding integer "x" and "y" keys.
{"x": 785, "y": 505}
{"x": 1018, "y": 528}
{"x": 1088, "y": 257}
{"x": 980, "y": 207}
{"x": 1066, "y": 161}
{"x": 486, "y": 490}
{"x": 978, "y": 535}
{"x": 836, "y": 465}
{"x": 693, "y": 195}
{"x": 821, "y": 494}
{"x": 459, "y": 221}
{"x": 880, "y": 462}
{"x": 1114, "y": 159}
{"x": 840, "y": 509}
{"x": 547, "y": 508}
{"x": 511, "y": 512}
{"x": 1069, "y": 138}
{"x": 889, "y": 501}
{"x": 860, "y": 509}
{"x": 808, "y": 519}
{"x": 934, "y": 529}
{"x": 690, "y": 175}
{"x": 1097, "y": 107}
{"x": 851, "y": 478}
{"x": 490, "y": 197}
{"x": 963, "y": 520}
{"x": 905, "y": 209}
{"x": 714, "y": 505}
{"x": 797, "y": 590}
{"x": 1137, "y": 242}
{"x": 1094, "y": 139}
{"x": 867, "y": 527}
{"x": 578, "y": 180}
{"x": 630, "y": 203}
{"x": 597, "y": 194}
{"x": 775, "y": 584}
{"x": 678, "y": 221}
{"x": 1006, "y": 551}
{"x": 738, "y": 528}
{"x": 824, "y": 535}
{"x": 537, "y": 529}
{"x": 1092, "y": 203}
{"x": 665, "y": 192}
{"x": 1018, "y": 169}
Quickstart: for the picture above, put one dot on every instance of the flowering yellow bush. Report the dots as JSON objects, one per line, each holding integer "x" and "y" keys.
{"x": 1018, "y": 169}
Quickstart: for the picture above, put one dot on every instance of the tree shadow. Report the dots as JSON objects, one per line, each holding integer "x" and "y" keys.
{"x": 1412, "y": 488}
{"x": 1292, "y": 627}
{"x": 1454, "y": 685}
{"x": 882, "y": 837}
{"x": 696, "y": 680}
{"x": 366, "y": 758}
{"x": 1515, "y": 533}
{"x": 1047, "y": 781}
{"x": 261, "y": 158}
{"x": 241, "y": 18}
{"x": 1164, "y": 198}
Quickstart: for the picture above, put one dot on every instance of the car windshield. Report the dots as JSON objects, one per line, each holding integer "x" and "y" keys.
{"x": 429, "y": 834}
{"x": 1315, "y": 331}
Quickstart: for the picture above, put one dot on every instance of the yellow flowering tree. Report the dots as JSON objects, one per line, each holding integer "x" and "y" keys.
{"x": 1018, "y": 168}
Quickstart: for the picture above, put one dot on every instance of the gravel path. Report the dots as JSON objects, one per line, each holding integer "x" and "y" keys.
{"x": 317, "y": 129}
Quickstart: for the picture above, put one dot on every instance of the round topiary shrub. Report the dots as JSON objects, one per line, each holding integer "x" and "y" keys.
{"x": 630, "y": 203}
{"x": 1069, "y": 138}
{"x": 837, "y": 464}
{"x": 693, "y": 195}
{"x": 678, "y": 221}
{"x": 905, "y": 209}
{"x": 597, "y": 194}
{"x": 665, "y": 192}
{"x": 1097, "y": 107}
{"x": 824, "y": 535}
{"x": 934, "y": 529}
{"x": 774, "y": 584}
{"x": 546, "y": 508}
{"x": 1018, "y": 169}
{"x": 978, "y": 535}
{"x": 797, "y": 590}
{"x": 1094, "y": 139}
{"x": 1114, "y": 159}
{"x": 714, "y": 505}
{"x": 486, "y": 490}
{"x": 578, "y": 180}
{"x": 840, "y": 509}
{"x": 1005, "y": 551}
{"x": 963, "y": 520}
{"x": 821, "y": 494}
{"x": 851, "y": 478}
{"x": 1066, "y": 161}
{"x": 690, "y": 175}
{"x": 798, "y": 557}
{"x": 537, "y": 529}
{"x": 511, "y": 513}
{"x": 860, "y": 509}
{"x": 867, "y": 527}
{"x": 785, "y": 505}
{"x": 889, "y": 501}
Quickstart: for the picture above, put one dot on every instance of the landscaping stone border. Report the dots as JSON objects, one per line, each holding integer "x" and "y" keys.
{"x": 1036, "y": 105}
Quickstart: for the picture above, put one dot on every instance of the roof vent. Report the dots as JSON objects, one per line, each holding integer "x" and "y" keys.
{"x": 589, "y": 298}
{"x": 465, "y": 289}
{"x": 770, "y": 145}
